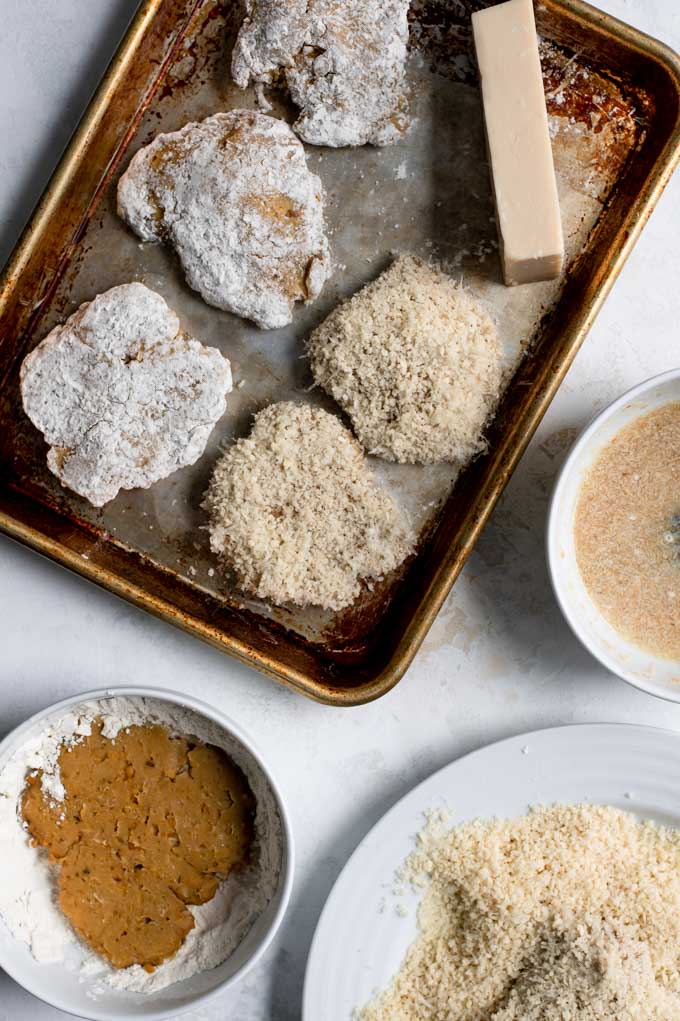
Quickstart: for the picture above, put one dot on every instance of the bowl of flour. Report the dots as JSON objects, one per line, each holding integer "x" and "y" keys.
{"x": 41, "y": 950}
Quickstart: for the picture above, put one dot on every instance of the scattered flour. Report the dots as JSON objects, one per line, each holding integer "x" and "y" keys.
{"x": 27, "y": 893}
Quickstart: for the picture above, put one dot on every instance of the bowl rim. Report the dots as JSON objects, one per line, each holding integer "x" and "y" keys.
{"x": 582, "y": 442}
{"x": 12, "y": 740}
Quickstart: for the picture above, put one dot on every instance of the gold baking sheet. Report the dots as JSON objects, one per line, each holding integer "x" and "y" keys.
{"x": 613, "y": 98}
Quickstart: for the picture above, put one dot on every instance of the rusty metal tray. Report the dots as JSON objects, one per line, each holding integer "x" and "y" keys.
{"x": 614, "y": 103}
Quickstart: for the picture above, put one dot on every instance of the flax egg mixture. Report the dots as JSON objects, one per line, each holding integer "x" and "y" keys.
{"x": 149, "y": 824}
{"x": 627, "y": 532}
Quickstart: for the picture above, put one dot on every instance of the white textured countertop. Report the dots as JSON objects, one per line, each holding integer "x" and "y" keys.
{"x": 499, "y": 660}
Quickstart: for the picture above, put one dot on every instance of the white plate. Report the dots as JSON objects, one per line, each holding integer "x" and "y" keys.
{"x": 361, "y": 939}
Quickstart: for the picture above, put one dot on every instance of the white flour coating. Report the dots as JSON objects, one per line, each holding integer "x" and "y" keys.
{"x": 342, "y": 60}
{"x": 122, "y": 396}
{"x": 28, "y": 892}
{"x": 234, "y": 197}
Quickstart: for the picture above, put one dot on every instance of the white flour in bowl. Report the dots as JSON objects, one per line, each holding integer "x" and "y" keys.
{"x": 28, "y": 902}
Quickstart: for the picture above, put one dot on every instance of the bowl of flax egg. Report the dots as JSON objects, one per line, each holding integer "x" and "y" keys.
{"x": 147, "y": 854}
{"x": 613, "y": 540}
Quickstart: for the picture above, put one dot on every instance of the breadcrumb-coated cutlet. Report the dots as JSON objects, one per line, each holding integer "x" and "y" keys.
{"x": 415, "y": 362}
{"x": 569, "y": 913}
{"x": 297, "y": 515}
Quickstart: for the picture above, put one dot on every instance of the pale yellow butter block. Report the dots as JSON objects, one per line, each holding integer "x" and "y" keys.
{"x": 520, "y": 154}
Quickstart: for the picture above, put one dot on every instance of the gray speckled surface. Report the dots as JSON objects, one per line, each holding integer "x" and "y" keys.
{"x": 498, "y": 661}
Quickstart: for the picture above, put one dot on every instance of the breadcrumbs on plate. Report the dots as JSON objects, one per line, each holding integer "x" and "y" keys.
{"x": 570, "y": 913}
{"x": 414, "y": 360}
{"x": 296, "y": 513}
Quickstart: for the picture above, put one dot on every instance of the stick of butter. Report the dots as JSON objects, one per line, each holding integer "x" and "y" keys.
{"x": 520, "y": 154}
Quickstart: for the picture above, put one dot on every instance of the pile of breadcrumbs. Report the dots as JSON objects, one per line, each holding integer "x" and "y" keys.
{"x": 571, "y": 913}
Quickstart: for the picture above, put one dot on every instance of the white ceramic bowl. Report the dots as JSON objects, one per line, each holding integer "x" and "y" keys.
{"x": 657, "y": 676}
{"x": 64, "y": 988}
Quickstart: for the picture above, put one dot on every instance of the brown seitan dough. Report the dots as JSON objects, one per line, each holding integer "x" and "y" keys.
{"x": 149, "y": 823}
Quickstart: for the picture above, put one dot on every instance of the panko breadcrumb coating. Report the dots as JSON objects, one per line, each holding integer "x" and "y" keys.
{"x": 415, "y": 361}
{"x": 342, "y": 61}
{"x": 298, "y": 516}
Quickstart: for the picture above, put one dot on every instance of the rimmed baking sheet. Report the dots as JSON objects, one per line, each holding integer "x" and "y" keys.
{"x": 613, "y": 105}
